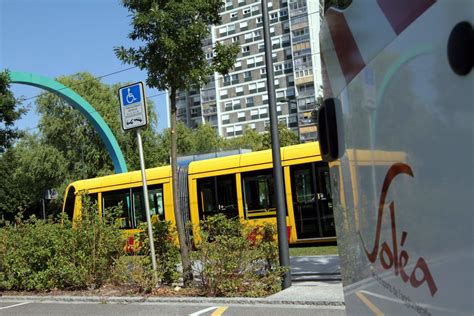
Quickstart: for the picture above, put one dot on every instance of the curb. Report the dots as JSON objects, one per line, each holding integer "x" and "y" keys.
{"x": 151, "y": 300}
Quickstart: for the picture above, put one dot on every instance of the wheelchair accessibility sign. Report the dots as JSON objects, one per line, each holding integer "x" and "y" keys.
{"x": 133, "y": 106}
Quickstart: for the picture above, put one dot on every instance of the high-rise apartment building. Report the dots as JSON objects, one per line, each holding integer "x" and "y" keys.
{"x": 239, "y": 99}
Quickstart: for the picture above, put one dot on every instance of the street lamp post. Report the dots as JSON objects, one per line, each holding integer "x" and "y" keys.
{"x": 277, "y": 169}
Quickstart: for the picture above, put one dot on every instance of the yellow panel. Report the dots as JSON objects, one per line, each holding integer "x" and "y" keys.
{"x": 304, "y": 80}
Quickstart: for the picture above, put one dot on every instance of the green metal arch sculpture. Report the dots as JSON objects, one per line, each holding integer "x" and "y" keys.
{"x": 80, "y": 104}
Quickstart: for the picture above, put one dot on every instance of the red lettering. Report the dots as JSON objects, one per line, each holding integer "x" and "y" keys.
{"x": 389, "y": 257}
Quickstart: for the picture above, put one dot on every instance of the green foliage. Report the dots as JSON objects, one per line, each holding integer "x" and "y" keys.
{"x": 67, "y": 147}
{"x": 250, "y": 139}
{"x": 236, "y": 260}
{"x": 10, "y": 111}
{"x": 287, "y": 137}
{"x": 135, "y": 271}
{"x": 66, "y": 129}
{"x": 206, "y": 139}
{"x": 166, "y": 249}
{"x": 171, "y": 35}
{"x": 41, "y": 256}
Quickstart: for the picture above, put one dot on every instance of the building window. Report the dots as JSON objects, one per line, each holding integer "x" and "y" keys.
{"x": 246, "y": 11}
{"x": 230, "y": 131}
{"x": 228, "y": 106}
{"x": 238, "y": 129}
{"x": 233, "y": 14}
{"x": 254, "y": 114}
{"x": 247, "y": 75}
{"x": 250, "y": 62}
{"x": 235, "y": 39}
{"x": 249, "y": 101}
{"x": 236, "y": 104}
{"x": 274, "y": 15}
{"x": 252, "y": 86}
{"x": 223, "y": 93}
{"x": 245, "y": 49}
{"x": 243, "y": 25}
{"x": 225, "y": 119}
{"x": 280, "y": 94}
{"x": 241, "y": 116}
{"x": 239, "y": 90}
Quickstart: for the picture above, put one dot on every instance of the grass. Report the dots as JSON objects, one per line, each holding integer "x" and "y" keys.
{"x": 313, "y": 250}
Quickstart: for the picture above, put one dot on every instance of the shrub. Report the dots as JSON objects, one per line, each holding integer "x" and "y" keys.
{"x": 38, "y": 255}
{"x": 232, "y": 262}
{"x": 134, "y": 271}
{"x": 166, "y": 249}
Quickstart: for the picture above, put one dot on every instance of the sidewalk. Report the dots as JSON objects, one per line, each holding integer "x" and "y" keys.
{"x": 315, "y": 281}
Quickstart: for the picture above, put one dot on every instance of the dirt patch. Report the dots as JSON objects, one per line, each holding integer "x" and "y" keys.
{"x": 114, "y": 290}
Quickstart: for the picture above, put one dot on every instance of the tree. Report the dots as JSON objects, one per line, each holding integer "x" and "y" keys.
{"x": 66, "y": 129}
{"x": 67, "y": 147}
{"x": 170, "y": 35}
{"x": 10, "y": 111}
{"x": 250, "y": 139}
{"x": 286, "y": 135}
{"x": 206, "y": 139}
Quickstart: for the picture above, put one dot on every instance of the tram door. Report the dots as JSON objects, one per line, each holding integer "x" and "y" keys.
{"x": 312, "y": 202}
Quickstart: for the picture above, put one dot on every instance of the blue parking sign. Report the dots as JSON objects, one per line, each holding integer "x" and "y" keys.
{"x": 131, "y": 95}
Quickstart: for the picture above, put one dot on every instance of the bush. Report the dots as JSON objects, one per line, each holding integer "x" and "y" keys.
{"x": 135, "y": 271}
{"x": 38, "y": 255}
{"x": 237, "y": 260}
{"x": 166, "y": 249}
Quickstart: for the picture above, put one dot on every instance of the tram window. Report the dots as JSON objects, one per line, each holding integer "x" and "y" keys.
{"x": 69, "y": 205}
{"x": 119, "y": 198}
{"x": 259, "y": 193}
{"x": 155, "y": 200}
{"x": 217, "y": 195}
{"x": 93, "y": 199}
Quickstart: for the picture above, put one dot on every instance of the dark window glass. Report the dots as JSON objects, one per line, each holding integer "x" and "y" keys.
{"x": 217, "y": 195}
{"x": 155, "y": 200}
{"x": 259, "y": 193}
{"x": 119, "y": 198}
{"x": 69, "y": 205}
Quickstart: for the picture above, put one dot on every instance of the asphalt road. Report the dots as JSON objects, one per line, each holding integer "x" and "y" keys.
{"x": 84, "y": 308}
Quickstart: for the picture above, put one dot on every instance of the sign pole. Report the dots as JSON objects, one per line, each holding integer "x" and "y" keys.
{"x": 134, "y": 116}
{"x": 147, "y": 203}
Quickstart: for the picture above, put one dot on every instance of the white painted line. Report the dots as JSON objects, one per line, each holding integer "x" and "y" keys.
{"x": 395, "y": 300}
{"x": 203, "y": 311}
{"x": 24, "y": 303}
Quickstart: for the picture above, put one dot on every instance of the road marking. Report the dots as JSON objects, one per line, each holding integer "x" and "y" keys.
{"x": 220, "y": 310}
{"x": 203, "y": 311}
{"x": 24, "y": 303}
{"x": 369, "y": 304}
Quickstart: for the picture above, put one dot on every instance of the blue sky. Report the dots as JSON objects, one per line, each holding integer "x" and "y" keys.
{"x": 61, "y": 37}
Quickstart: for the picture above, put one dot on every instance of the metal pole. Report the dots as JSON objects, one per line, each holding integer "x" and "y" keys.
{"x": 147, "y": 203}
{"x": 277, "y": 169}
{"x": 44, "y": 210}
